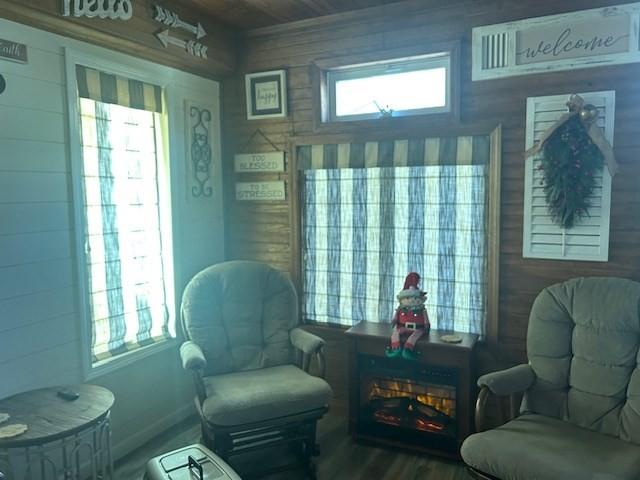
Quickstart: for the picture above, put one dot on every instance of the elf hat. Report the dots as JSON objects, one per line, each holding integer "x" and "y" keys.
{"x": 411, "y": 287}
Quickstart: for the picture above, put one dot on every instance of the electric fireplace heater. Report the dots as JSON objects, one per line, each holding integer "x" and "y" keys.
{"x": 408, "y": 402}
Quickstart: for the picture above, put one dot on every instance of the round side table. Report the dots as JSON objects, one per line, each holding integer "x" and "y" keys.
{"x": 66, "y": 439}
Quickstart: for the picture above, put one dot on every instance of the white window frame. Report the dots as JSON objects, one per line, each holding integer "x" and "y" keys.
{"x": 123, "y": 66}
{"x": 399, "y": 65}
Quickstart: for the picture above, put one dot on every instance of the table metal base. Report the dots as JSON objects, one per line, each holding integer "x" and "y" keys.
{"x": 83, "y": 455}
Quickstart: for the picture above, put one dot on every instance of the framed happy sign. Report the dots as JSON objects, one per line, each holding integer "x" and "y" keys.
{"x": 266, "y": 94}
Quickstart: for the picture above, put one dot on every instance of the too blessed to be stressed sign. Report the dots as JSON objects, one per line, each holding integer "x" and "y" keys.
{"x": 260, "y": 191}
{"x": 259, "y": 162}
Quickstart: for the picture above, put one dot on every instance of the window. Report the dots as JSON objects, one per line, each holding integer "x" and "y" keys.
{"x": 393, "y": 88}
{"x": 122, "y": 198}
{"x": 373, "y": 212}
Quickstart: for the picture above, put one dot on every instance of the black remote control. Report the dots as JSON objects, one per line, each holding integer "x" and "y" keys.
{"x": 69, "y": 395}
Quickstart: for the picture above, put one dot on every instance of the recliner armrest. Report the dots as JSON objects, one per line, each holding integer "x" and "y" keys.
{"x": 306, "y": 342}
{"x": 192, "y": 356}
{"x": 507, "y": 382}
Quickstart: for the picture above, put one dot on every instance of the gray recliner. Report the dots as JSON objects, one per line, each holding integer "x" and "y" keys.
{"x": 250, "y": 360}
{"x": 580, "y": 414}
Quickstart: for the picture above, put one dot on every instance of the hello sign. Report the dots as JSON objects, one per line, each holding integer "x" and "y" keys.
{"x": 113, "y": 9}
{"x": 588, "y": 38}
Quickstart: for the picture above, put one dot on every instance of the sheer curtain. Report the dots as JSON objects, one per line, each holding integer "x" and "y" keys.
{"x": 383, "y": 210}
{"x": 122, "y": 233}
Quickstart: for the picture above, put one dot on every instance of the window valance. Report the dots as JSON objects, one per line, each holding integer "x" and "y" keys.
{"x": 463, "y": 150}
{"x": 107, "y": 88}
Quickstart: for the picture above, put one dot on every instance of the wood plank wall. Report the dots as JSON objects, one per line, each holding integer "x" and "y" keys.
{"x": 135, "y": 36}
{"x": 262, "y": 230}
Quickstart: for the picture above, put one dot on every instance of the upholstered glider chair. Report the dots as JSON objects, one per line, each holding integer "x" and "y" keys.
{"x": 251, "y": 362}
{"x": 580, "y": 413}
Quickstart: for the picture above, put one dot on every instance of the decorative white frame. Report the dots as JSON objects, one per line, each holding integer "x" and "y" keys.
{"x": 532, "y": 249}
{"x": 494, "y": 46}
{"x": 253, "y": 79}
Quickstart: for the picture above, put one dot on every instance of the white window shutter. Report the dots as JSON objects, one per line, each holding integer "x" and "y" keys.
{"x": 588, "y": 239}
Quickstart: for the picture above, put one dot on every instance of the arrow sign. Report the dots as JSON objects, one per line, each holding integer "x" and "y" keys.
{"x": 194, "y": 48}
{"x": 171, "y": 19}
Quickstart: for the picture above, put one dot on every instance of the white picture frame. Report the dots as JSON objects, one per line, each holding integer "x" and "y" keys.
{"x": 266, "y": 94}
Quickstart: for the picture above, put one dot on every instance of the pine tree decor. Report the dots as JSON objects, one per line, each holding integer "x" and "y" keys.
{"x": 570, "y": 160}
{"x": 572, "y": 151}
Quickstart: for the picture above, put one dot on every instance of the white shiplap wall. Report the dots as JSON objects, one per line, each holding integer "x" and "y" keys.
{"x": 40, "y": 318}
{"x": 38, "y": 313}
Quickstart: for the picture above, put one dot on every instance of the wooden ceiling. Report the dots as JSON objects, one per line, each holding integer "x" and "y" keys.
{"x": 248, "y": 14}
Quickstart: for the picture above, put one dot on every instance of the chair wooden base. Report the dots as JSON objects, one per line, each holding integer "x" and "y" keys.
{"x": 479, "y": 475}
{"x": 298, "y": 431}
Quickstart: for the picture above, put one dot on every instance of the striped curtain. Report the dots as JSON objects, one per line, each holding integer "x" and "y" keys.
{"x": 373, "y": 212}
{"x": 113, "y": 89}
{"x": 123, "y": 240}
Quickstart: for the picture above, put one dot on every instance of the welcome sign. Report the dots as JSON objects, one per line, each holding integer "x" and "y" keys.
{"x": 589, "y": 38}
{"x": 582, "y": 39}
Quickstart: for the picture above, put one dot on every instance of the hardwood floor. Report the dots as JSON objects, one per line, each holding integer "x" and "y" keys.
{"x": 340, "y": 458}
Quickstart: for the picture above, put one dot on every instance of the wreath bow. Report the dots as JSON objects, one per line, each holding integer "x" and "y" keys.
{"x": 573, "y": 151}
{"x": 588, "y": 114}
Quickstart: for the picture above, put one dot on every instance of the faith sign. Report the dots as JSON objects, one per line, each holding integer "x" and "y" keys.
{"x": 14, "y": 51}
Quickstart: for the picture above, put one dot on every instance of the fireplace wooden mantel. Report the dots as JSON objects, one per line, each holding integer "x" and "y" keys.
{"x": 368, "y": 340}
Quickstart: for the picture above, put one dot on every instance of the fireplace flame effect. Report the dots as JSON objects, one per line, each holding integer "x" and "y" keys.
{"x": 439, "y": 397}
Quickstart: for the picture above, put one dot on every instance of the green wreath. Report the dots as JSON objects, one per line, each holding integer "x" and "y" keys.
{"x": 569, "y": 161}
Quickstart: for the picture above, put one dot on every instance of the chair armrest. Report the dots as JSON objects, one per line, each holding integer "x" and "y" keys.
{"x": 306, "y": 342}
{"x": 507, "y": 382}
{"x": 192, "y": 356}
{"x": 309, "y": 344}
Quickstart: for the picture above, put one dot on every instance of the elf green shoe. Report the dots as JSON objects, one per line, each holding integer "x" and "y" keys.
{"x": 393, "y": 352}
{"x": 408, "y": 354}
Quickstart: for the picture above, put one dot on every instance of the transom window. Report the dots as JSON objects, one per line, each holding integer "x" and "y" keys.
{"x": 394, "y": 88}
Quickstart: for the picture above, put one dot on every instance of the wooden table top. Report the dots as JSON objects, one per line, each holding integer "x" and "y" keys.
{"x": 49, "y": 417}
{"x": 383, "y": 330}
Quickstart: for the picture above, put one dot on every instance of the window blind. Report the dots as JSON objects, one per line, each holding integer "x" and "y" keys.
{"x": 122, "y": 234}
{"x": 395, "y": 207}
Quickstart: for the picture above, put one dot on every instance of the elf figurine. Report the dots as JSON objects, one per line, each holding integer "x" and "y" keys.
{"x": 411, "y": 319}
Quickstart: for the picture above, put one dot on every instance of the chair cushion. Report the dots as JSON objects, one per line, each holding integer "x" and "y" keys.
{"x": 240, "y": 314}
{"x": 255, "y": 395}
{"x": 535, "y": 447}
{"x": 582, "y": 344}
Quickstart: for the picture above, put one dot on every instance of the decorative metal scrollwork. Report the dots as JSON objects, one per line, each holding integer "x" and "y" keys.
{"x": 201, "y": 151}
